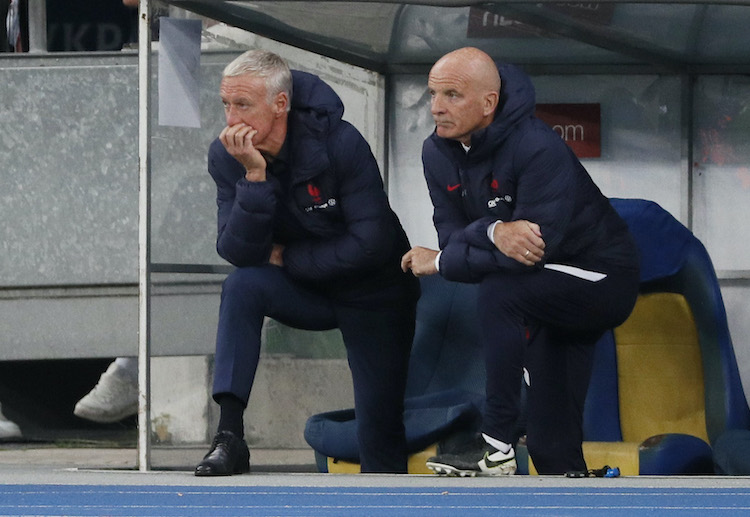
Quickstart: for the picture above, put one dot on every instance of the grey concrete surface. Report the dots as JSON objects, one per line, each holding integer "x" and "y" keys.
{"x": 173, "y": 467}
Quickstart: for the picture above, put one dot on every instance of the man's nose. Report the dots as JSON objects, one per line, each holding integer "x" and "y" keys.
{"x": 232, "y": 117}
{"x": 436, "y": 107}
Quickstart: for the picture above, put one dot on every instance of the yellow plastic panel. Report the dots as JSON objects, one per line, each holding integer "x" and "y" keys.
{"x": 660, "y": 373}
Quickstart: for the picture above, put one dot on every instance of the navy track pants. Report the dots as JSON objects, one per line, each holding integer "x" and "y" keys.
{"x": 377, "y": 329}
{"x": 548, "y": 322}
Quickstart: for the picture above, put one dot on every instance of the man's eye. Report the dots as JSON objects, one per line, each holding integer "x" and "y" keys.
{"x": 238, "y": 106}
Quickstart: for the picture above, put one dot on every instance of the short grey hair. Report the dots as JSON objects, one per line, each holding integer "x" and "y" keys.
{"x": 265, "y": 64}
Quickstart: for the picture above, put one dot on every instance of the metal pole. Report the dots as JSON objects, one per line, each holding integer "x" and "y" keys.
{"x": 144, "y": 233}
{"x": 37, "y": 26}
{"x": 688, "y": 149}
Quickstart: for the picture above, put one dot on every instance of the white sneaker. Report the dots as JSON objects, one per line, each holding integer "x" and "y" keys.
{"x": 113, "y": 398}
{"x": 8, "y": 429}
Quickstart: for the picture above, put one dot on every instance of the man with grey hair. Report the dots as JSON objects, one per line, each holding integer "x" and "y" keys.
{"x": 303, "y": 215}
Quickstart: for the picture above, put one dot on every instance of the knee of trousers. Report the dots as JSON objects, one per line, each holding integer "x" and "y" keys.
{"x": 245, "y": 281}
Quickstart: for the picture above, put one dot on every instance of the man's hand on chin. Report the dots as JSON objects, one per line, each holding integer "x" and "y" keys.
{"x": 238, "y": 141}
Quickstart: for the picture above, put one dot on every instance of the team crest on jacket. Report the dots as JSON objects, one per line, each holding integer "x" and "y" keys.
{"x": 314, "y": 192}
{"x": 492, "y": 203}
{"x": 317, "y": 199}
{"x": 497, "y": 197}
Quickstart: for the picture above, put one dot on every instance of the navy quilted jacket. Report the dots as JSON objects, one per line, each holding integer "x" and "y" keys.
{"x": 323, "y": 200}
{"x": 519, "y": 168}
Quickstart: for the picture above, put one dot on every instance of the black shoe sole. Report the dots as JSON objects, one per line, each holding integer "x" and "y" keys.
{"x": 210, "y": 473}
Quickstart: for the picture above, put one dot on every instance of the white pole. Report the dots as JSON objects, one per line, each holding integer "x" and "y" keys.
{"x": 37, "y": 26}
{"x": 144, "y": 233}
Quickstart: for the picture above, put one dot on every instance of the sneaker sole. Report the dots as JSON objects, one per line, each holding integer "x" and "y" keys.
{"x": 443, "y": 469}
{"x": 104, "y": 418}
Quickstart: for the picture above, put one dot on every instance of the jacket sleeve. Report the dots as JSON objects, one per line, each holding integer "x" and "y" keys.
{"x": 545, "y": 195}
{"x": 245, "y": 211}
{"x": 548, "y": 185}
{"x": 369, "y": 233}
{"x": 467, "y": 254}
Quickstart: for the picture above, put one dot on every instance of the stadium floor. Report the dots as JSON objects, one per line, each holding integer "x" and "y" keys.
{"x": 83, "y": 482}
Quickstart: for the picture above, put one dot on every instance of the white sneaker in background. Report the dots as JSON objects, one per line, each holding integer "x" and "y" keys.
{"x": 113, "y": 398}
{"x": 8, "y": 429}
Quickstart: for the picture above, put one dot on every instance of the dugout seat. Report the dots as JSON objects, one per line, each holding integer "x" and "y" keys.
{"x": 665, "y": 384}
{"x": 445, "y": 387}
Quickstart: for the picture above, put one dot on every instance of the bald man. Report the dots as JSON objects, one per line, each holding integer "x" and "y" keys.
{"x": 517, "y": 213}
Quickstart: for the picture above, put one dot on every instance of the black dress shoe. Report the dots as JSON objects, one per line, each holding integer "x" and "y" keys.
{"x": 228, "y": 455}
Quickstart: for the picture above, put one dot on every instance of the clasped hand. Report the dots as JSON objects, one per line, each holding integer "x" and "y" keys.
{"x": 520, "y": 240}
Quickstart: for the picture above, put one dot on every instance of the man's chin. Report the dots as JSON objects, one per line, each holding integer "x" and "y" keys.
{"x": 444, "y": 132}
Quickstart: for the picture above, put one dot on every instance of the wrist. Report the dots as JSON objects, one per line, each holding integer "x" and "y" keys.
{"x": 491, "y": 230}
{"x": 255, "y": 175}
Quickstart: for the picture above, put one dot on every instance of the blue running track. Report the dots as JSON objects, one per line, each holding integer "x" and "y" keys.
{"x": 163, "y": 501}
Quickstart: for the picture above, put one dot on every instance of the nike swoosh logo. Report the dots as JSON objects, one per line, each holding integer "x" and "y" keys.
{"x": 451, "y": 188}
{"x": 489, "y": 463}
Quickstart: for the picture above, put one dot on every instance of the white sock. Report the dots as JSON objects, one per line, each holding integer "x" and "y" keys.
{"x": 497, "y": 444}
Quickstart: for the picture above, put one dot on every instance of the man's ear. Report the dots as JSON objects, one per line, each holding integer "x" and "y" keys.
{"x": 281, "y": 103}
{"x": 491, "y": 100}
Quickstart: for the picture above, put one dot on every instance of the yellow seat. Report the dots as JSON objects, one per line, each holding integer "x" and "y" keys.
{"x": 665, "y": 384}
{"x": 660, "y": 383}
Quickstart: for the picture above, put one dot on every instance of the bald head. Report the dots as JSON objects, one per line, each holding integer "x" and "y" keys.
{"x": 465, "y": 89}
{"x": 477, "y": 66}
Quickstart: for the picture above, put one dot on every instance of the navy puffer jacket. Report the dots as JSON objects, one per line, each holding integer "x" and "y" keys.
{"x": 323, "y": 200}
{"x": 519, "y": 168}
